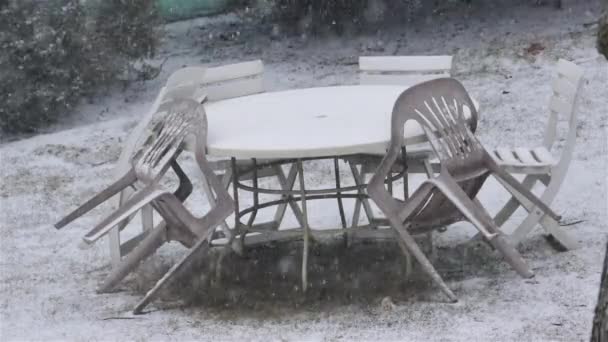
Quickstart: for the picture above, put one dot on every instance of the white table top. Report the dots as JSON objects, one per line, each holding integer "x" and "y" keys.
{"x": 301, "y": 123}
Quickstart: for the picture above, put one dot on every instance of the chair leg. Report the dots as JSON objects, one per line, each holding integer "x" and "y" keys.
{"x": 359, "y": 181}
{"x": 305, "y": 228}
{"x": 536, "y": 216}
{"x": 428, "y": 168}
{"x": 553, "y": 228}
{"x": 479, "y": 217}
{"x": 516, "y": 188}
{"x": 114, "y": 242}
{"x": 512, "y": 256}
{"x": 358, "y": 202}
{"x": 126, "y": 180}
{"x": 410, "y": 247}
{"x": 147, "y": 217}
{"x": 432, "y": 248}
{"x": 142, "y": 251}
{"x": 338, "y": 193}
{"x": 202, "y": 227}
{"x": 114, "y": 245}
{"x": 417, "y": 198}
{"x": 207, "y": 191}
{"x": 509, "y": 208}
{"x": 226, "y": 180}
{"x": 151, "y": 295}
{"x": 212, "y": 201}
{"x": 408, "y": 257}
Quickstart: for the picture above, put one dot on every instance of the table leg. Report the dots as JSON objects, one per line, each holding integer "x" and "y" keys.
{"x": 287, "y": 184}
{"x": 362, "y": 200}
{"x": 212, "y": 200}
{"x": 406, "y": 192}
{"x": 306, "y": 228}
{"x": 226, "y": 180}
{"x": 235, "y": 197}
{"x": 428, "y": 168}
{"x": 256, "y": 195}
{"x": 115, "y": 254}
{"x": 338, "y": 193}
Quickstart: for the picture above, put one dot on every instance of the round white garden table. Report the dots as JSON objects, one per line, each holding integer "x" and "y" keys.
{"x": 289, "y": 127}
{"x": 304, "y": 123}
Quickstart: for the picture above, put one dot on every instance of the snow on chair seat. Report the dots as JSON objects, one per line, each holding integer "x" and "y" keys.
{"x": 524, "y": 160}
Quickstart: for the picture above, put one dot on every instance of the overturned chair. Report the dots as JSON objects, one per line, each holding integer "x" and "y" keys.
{"x": 174, "y": 122}
{"x": 198, "y": 83}
{"x": 438, "y": 106}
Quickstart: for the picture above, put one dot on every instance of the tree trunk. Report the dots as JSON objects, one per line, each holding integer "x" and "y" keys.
{"x": 600, "y": 321}
{"x": 602, "y": 34}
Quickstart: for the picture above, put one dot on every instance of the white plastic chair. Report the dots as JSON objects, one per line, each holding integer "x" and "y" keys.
{"x": 196, "y": 83}
{"x": 439, "y": 106}
{"x": 403, "y": 70}
{"x": 406, "y": 71}
{"x": 118, "y": 248}
{"x": 222, "y": 82}
{"x": 539, "y": 164}
{"x": 219, "y": 83}
{"x": 167, "y": 131}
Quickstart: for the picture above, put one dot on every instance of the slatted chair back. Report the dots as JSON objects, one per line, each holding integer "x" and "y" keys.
{"x": 403, "y": 70}
{"x": 185, "y": 91}
{"x": 439, "y": 107}
{"x": 135, "y": 136}
{"x": 562, "y": 103}
{"x": 562, "y": 108}
{"x": 138, "y": 134}
{"x": 175, "y": 121}
{"x": 172, "y": 124}
{"x": 222, "y": 82}
{"x": 186, "y": 75}
{"x": 161, "y": 140}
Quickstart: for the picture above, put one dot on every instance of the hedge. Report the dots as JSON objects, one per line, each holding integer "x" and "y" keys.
{"x": 54, "y": 53}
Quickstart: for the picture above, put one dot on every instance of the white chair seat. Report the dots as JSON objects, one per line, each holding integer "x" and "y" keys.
{"x": 524, "y": 160}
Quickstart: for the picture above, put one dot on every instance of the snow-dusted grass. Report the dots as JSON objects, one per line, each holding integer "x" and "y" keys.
{"x": 48, "y": 281}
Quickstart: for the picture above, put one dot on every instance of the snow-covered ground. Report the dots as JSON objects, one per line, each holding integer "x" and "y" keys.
{"x": 504, "y": 54}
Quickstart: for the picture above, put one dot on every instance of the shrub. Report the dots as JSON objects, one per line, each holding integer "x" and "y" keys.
{"x": 317, "y": 16}
{"x": 338, "y": 15}
{"x": 133, "y": 28}
{"x": 54, "y": 52}
{"x": 602, "y": 33}
{"x": 46, "y": 64}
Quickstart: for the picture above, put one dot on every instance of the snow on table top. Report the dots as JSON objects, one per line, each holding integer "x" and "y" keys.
{"x": 310, "y": 122}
